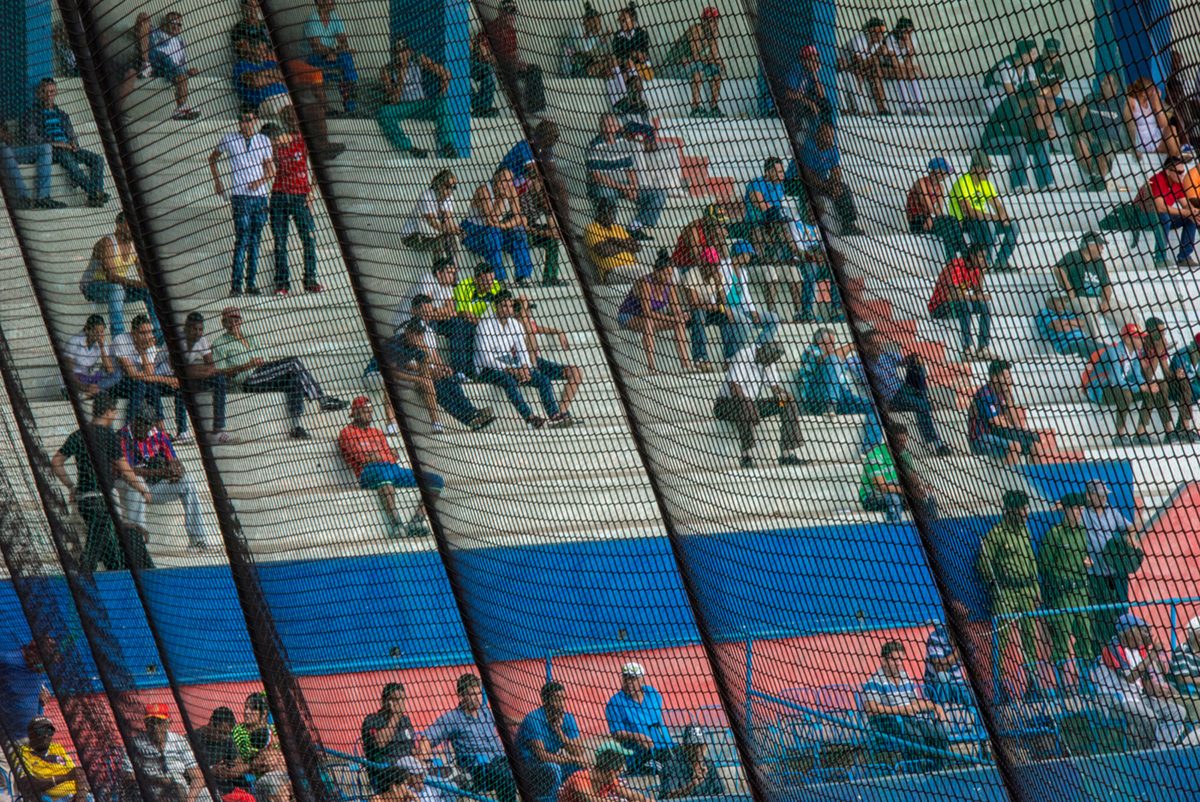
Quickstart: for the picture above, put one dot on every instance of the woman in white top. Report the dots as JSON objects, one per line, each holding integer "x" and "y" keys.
{"x": 496, "y": 226}
{"x": 1146, "y": 120}
{"x": 432, "y": 225}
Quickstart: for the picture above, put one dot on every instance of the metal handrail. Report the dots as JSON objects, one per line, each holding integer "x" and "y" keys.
{"x": 438, "y": 784}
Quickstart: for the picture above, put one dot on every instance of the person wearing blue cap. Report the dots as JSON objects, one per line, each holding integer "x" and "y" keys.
{"x": 945, "y": 681}
{"x": 925, "y": 208}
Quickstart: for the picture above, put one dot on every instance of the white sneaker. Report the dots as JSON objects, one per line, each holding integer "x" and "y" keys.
{"x": 437, "y": 428}
{"x": 185, "y": 437}
{"x": 392, "y": 429}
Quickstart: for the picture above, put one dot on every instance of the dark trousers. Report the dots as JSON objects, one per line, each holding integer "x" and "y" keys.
{"x": 699, "y": 336}
{"x": 508, "y": 383}
{"x": 85, "y": 169}
{"x": 1187, "y": 233}
{"x": 913, "y": 729}
{"x": 287, "y": 376}
{"x": 283, "y": 209}
{"x": 450, "y": 397}
{"x": 963, "y": 311}
{"x": 945, "y": 228}
{"x": 530, "y": 77}
{"x": 913, "y": 396}
{"x": 1106, "y": 590}
{"x": 142, "y": 395}
{"x": 460, "y": 339}
{"x": 483, "y": 96}
{"x": 746, "y": 414}
{"x": 102, "y": 546}
{"x": 494, "y": 777}
{"x": 843, "y": 206}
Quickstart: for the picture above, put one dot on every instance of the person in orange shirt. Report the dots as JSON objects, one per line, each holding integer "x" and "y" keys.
{"x": 1191, "y": 185}
{"x": 368, "y": 454}
{"x": 602, "y": 782}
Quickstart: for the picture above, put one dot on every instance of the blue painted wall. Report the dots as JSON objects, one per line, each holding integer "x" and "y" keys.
{"x": 27, "y": 24}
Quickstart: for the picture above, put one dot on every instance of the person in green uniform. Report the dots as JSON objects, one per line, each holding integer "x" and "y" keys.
{"x": 1009, "y": 570}
{"x": 1063, "y": 563}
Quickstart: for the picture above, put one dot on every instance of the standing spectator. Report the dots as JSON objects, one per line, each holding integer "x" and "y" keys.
{"x": 1114, "y": 378}
{"x": 387, "y": 736}
{"x": 611, "y": 248}
{"x": 1185, "y": 373}
{"x": 805, "y": 104}
{"x": 975, "y": 203}
{"x": 501, "y": 33}
{"x": 202, "y": 375}
{"x": 252, "y": 171}
{"x": 1009, "y": 571}
{"x": 1083, "y": 276}
{"x": 602, "y": 781}
{"x": 1172, "y": 383}
{"x": 46, "y": 123}
{"x": 1170, "y": 202}
{"x": 652, "y": 305}
{"x": 217, "y": 750}
{"x": 94, "y": 476}
{"x": 1063, "y": 564}
{"x": 925, "y": 208}
{"x": 958, "y": 294}
{"x": 474, "y": 299}
{"x": 1021, "y": 128}
{"x": 1064, "y": 329}
{"x": 612, "y": 176}
{"x": 555, "y": 371}
{"x": 742, "y": 402}
{"x": 549, "y": 742}
{"x": 945, "y": 681}
{"x": 820, "y": 165}
{"x": 168, "y": 58}
{"x": 895, "y": 707}
{"x": 291, "y": 199}
{"x": 93, "y": 369}
{"x": 47, "y": 767}
{"x": 372, "y": 459}
{"x": 996, "y": 427}
{"x": 496, "y": 226}
{"x": 868, "y": 58}
{"x": 12, "y": 156}
{"x": 1012, "y": 75}
{"x": 1114, "y": 548}
{"x": 692, "y": 773}
{"x": 901, "y": 47}
{"x": 330, "y": 51}
{"x": 696, "y": 56}
{"x": 483, "y": 75}
{"x": 635, "y": 719}
{"x": 705, "y": 293}
{"x": 502, "y": 358}
{"x": 404, "y": 92}
{"x": 149, "y": 451}
{"x": 145, "y": 378}
{"x": 1129, "y": 680}
{"x": 631, "y": 44}
{"x": 114, "y": 276}
{"x": 471, "y": 731}
{"x": 164, "y": 759}
{"x": 880, "y": 488}
{"x": 432, "y": 225}
{"x": 238, "y": 353}
{"x": 1146, "y": 121}
{"x": 910, "y": 394}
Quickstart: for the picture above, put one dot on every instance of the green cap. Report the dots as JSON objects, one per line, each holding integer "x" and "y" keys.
{"x": 1051, "y": 46}
{"x": 1092, "y": 238}
{"x": 1015, "y": 499}
{"x": 1025, "y": 46}
{"x": 874, "y": 22}
{"x": 1074, "y": 500}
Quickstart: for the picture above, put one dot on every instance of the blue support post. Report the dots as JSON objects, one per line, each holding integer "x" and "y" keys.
{"x": 1133, "y": 38}
{"x": 27, "y": 24}
{"x": 441, "y": 31}
{"x": 746, "y": 725}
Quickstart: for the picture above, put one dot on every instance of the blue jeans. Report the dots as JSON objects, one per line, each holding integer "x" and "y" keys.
{"x": 890, "y": 504}
{"x": 1187, "y": 233}
{"x": 483, "y": 97}
{"x": 249, "y": 219}
{"x": 460, "y": 341}
{"x": 218, "y": 386}
{"x": 492, "y": 243}
{"x": 699, "y": 336}
{"x": 450, "y": 397}
{"x": 963, "y": 311}
{"x": 41, "y": 155}
{"x": 743, "y": 326}
{"x": 1021, "y": 153}
{"x": 142, "y": 395}
{"x": 284, "y": 208}
{"x": 988, "y": 231}
{"x": 650, "y": 203}
{"x": 340, "y": 71}
{"x": 84, "y": 168}
{"x": 115, "y": 296}
{"x": 508, "y": 383}
{"x": 911, "y": 399}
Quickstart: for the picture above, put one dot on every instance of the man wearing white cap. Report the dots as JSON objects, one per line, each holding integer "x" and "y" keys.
{"x": 635, "y": 719}
{"x": 1185, "y": 669}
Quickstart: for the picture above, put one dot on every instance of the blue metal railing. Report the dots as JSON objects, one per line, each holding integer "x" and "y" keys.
{"x": 370, "y": 764}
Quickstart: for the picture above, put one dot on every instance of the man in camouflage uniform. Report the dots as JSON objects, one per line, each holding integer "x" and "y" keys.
{"x": 1063, "y": 563}
{"x": 1009, "y": 571}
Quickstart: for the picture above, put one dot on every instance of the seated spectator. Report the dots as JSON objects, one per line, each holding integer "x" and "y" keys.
{"x": 149, "y": 451}
{"x": 958, "y": 294}
{"x": 1098, "y": 125}
{"x": 496, "y": 226}
{"x": 1114, "y": 378}
{"x": 710, "y": 230}
{"x": 168, "y": 58}
{"x": 555, "y": 371}
{"x": 412, "y": 359}
{"x": 820, "y": 163}
{"x": 12, "y": 156}
{"x": 692, "y": 773}
{"x": 432, "y": 225}
{"x": 535, "y": 177}
{"x": 216, "y": 749}
{"x": 249, "y": 29}
{"x": 470, "y": 730}
{"x": 612, "y": 176}
{"x": 1184, "y": 368}
{"x": 976, "y": 205}
{"x": 776, "y": 236}
{"x": 164, "y": 759}
{"x": 513, "y": 70}
{"x": 1185, "y": 669}
{"x": 751, "y": 323}
{"x": 502, "y": 358}
{"x": 831, "y": 381}
{"x": 602, "y": 781}
{"x": 403, "y": 80}
{"x": 274, "y": 786}
{"x": 611, "y": 248}
{"x": 867, "y": 58}
{"x": 895, "y": 708}
{"x": 1021, "y": 128}
{"x": 880, "y": 489}
{"x": 586, "y": 49}
{"x": 93, "y": 369}
{"x": 45, "y": 123}
{"x": 996, "y": 427}
{"x": 945, "y": 681}
{"x": 626, "y": 93}
{"x": 201, "y": 373}
{"x": 146, "y": 376}
{"x": 1012, "y": 75}
{"x": 743, "y": 402}
{"x": 635, "y": 719}
{"x": 925, "y": 208}
{"x": 290, "y": 193}
{"x": 1130, "y": 680}
{"x": 256, "y": 717}
{"x": 387, "y": 736}
{"x": 1156, "y": 367}
{"x": 474, "y": 298}
{"x": 696, "y": 56}
{"x": 251, "y": 174}
{"x": 549, "y": 741}
{"x": 631, "y": 43}
{"x": 1146, "y": 121}
{"x": 258, "y": 80}
{"x": 705, "y": 294}
{"x": 902, "y": 66}
{"x": 239, "y": 357}
{"x": 1064, "y": 329}
{"x": 1083, "y": 276}
{"x": 483, "y": 76}
{"x": 46, "y": 766}
{"x": 1169, "y": 199}
{"x": 910, "y": 394}
{"x": 652, "y": 305}
{"x": 114, "y": 276}
{"x": 330, "y": 51}
{"x": 803, "y": 100}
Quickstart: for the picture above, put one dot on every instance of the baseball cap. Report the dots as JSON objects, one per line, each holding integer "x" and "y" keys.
{"x": 360, "y": 402}
{"x": 710, "y": 12}
{"x": 1092, "y": 238}
{"x": 1051, "y": 45}
{"x": 1015, "y": 499}
{"x": 1193, "y": 625}
{"x": 1073, "y": 500}
{"x": 411, "y": 764}
{"x": 158, "y": 710}
{"x": 1130, "y": 621}
{"x": 808, "y": 51}
{"x": 938, "y": 164}
{"x": 633, "y": 670}
{"x": 1132, "y": 330}
{"x": 40, "y": 723}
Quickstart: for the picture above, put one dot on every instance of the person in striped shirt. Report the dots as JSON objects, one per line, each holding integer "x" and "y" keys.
{"x": 46, "y": 123}
{"x": 613, "y": 175}
{"x": 896, "y": 707}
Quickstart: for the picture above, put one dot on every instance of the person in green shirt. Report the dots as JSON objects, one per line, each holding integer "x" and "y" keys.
{"x": 473, "y": 299}
{"x": 1021, "y": 129}
{"x": 879, "y": 487}
{"x": 975, "y": 203}
{"x": 1063, "y": 564}
{"x": 1009, "y": 571}
{"x": 1083, "y": 276}
{"x": 257, "y": 717}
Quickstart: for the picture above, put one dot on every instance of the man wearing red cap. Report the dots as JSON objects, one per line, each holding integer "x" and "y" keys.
{"x": 1114, "y": 378}
{"x": 164, "y": 759}
{"x": 696, "y": 56}
{"x": 373, "y": 461}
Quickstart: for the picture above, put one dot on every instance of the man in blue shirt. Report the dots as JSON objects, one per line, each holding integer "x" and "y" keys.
{"x": 45, "y": 123}
{"x": 803, "y": 100}
{"x": 820, "y": 167}
{"x": 910, "y": 394}
{"x": 471, "y": 731}
{"x": 549, "y": 742}
{"x": 995, "y": 426}
{"x": 1115, "y": 379}
{"x": 635, "y": 719}
{"x": 22, "y": 680}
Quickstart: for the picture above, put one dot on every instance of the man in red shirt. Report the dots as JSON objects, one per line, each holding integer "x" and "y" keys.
{"x": 959, "y": 294}
{"x": 502, "y": 37}
{"x": 602, "y": 782}
{"x": 368, "y": 454}
{"x": 290, "y": 201}
{"x": 1173, "y": 208}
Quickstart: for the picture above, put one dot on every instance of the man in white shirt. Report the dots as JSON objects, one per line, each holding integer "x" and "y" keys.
{"x": 438, "y": 286}
{"x": 89, "y": 354}
{"x": 202, "y": 375}
{"x": 252, "y": 171}
{"x": 164, "y": 759}
{"x": 432, "y": 224}
{"x": 869, "y": 59}
{"x": 743, "y": 402}
{"x": 143, "y": 378}
{"x": 168, "y": 57}
{"x": 502, "y": 359}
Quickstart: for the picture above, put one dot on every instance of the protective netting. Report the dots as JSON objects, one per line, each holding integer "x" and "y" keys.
{"x": 472, "y": 399}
